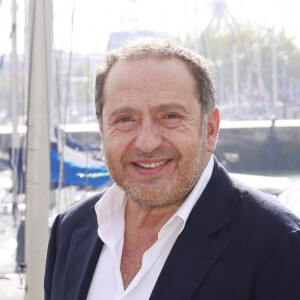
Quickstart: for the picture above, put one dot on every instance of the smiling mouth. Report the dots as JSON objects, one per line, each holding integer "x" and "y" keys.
{"x": 152, "y": 165}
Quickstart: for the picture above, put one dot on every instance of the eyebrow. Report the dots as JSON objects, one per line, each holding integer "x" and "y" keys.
{"x": 121, "y": 111}
{"x": 171, "y": 106}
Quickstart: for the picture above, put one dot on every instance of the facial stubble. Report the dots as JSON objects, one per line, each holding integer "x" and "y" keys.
{"x": 152, "y": 193}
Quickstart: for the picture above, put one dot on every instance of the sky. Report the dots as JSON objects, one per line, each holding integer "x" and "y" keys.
{"x": 95, "y": 19}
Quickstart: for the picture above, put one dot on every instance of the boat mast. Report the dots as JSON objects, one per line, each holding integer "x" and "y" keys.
{"x": 274, "y": 73}
{"x": 15, "y": 143}
{"x": 39, "y": 42}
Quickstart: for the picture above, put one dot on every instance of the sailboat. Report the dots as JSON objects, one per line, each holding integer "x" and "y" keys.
{"x": 49, "y": 165}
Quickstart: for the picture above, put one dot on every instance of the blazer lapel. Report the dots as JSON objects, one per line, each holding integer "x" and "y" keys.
{"x": 197, "y": 250}
{"x": 82, "y": 259}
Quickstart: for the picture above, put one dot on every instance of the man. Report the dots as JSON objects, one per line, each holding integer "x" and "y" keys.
{"x": 175, "y": 225}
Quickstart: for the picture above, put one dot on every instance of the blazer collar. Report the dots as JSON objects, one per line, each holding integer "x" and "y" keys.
{"x": 82, "y": 259}
{"x": 195, "y": 252}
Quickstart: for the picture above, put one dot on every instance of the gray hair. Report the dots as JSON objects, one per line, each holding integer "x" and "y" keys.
{"x": 164, "y": 49}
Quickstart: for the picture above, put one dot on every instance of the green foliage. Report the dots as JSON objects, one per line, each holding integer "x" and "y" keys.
{"x": 255, "y": 47}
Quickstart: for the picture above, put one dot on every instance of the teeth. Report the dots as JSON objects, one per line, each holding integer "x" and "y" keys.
{"x": 152, "y": 165}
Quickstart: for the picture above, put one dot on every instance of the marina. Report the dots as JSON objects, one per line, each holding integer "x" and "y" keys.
{"x": 50, "y": 146}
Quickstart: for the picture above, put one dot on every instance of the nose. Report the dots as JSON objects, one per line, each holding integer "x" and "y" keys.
{"x": 148, "y": 138}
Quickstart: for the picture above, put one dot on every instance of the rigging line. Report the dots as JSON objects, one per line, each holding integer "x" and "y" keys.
{"x": 61, "y": 166}
{"x": 87, "y": 113}
{"x": 15, "y": 152}
{"x": 48, "y": 58}
{"x": 58, "y": 91}
{"x": 23, "y": 118}
{"x": 59, "y": 138}
{"x": 59, "y": 116}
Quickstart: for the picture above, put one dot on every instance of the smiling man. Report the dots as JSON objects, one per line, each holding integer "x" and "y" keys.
{"x": 174, "y": 225}
{"x": 155, "y": 141}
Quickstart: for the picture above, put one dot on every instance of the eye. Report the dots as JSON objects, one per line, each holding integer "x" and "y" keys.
{"x": 124, "y": 119}
{"x": 171, "y": 120}
{"x": 125, "y": 123}
{"x": 171, "y": 116}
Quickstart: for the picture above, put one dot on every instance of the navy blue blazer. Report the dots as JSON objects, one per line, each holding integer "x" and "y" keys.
{"x": 238, "y": 243}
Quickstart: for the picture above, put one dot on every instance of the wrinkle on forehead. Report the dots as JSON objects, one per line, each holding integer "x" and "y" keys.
{"x": 145, "y": 83}
{"x": 148, "y": 91}
{"x": 124, "y": 71}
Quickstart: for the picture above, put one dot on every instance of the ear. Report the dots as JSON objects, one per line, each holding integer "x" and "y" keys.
{"x": 213, "y": 122}
{"x": 100, "y": 126}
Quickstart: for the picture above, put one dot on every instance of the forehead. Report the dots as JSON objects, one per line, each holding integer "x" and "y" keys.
{"x": 151, "y": 74}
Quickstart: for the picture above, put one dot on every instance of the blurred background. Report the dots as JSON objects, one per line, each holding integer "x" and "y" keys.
{"x": 50, "y": 147}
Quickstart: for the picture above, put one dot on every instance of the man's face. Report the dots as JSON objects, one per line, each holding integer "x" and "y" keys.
{"x": 155, "y": 143}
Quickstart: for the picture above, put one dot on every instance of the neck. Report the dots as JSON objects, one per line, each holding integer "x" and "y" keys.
{"x": 139, "y": 217}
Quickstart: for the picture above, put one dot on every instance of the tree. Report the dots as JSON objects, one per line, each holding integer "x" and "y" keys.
{"x": 253, "y": 58}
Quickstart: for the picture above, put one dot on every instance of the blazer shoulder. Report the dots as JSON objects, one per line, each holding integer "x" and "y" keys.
{"x": 262, "y": 210}
{"x": 248, "y": 206}
{"x": 81, "y": 213}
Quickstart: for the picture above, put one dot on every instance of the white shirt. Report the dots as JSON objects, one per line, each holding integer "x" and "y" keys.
{"x": 107, "y": 281}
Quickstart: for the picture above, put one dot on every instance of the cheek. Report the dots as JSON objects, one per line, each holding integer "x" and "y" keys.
{"x": 116, "y": 143}
{"x": 182, "y": 139}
